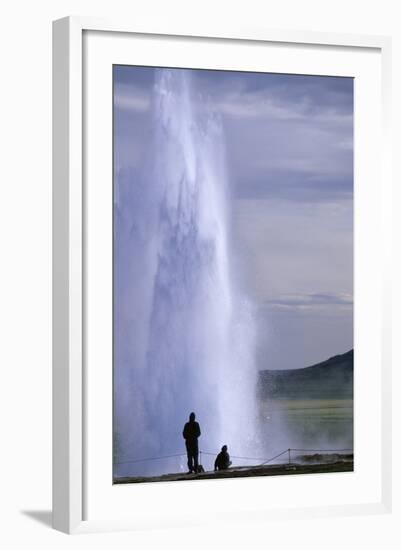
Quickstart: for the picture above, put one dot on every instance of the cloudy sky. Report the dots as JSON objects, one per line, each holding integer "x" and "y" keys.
{"x": 289, "y": 142}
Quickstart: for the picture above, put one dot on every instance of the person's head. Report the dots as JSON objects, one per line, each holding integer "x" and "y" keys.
{"x": 224, "y": 448}
{"x": 192, "y": 417}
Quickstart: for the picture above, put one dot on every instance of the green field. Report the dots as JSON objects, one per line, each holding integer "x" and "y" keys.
{"x": 307, "y": 423}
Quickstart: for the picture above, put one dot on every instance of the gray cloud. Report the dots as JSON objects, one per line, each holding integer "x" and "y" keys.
{"x": 131, "y": 98}
{"x": 306, "y": 95}
{"x": 308, "y": 301}
{"x": 289, "y": 148}
{"x": 310, "y": 188}
{"x": 288, "y": 136}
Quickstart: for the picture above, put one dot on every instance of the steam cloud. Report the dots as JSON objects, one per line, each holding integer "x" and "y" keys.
{"x": 183, "y": 330}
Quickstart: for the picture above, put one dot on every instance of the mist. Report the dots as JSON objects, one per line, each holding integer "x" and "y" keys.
{"x": 184, "y": 329}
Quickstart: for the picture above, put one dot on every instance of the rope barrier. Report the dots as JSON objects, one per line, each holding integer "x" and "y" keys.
{"x": 321, "y": 450}
{"x": 152, "y": 458}
{"x": 274, "y": 457}
{"x": 238, "y": 457}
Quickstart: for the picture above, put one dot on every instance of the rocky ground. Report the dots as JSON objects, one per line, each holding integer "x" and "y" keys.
{"x": 301, "y": 465}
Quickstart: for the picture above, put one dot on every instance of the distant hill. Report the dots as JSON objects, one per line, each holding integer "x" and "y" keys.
{"x": 331, "y": 379}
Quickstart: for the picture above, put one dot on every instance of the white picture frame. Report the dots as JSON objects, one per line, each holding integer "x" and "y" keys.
{"x": 71, "y": 257}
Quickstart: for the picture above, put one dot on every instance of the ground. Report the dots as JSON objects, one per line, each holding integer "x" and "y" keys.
{"x": 304, "y": 465}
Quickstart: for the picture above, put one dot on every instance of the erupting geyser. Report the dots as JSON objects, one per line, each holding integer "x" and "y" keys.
{"x": 183, "y": 330}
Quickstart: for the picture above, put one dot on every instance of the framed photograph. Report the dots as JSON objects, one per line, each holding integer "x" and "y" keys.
{"x": 221, "y": 307}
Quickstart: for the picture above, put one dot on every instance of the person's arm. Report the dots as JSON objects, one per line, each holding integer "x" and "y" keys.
{"x": 215, "y": 463}
{"x": 198, "y": 430}
{"x": 184, "y": 431}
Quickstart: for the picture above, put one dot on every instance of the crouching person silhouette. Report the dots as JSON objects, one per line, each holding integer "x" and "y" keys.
{"x": 222, "y": 461}
{"x": 191, "y": 433}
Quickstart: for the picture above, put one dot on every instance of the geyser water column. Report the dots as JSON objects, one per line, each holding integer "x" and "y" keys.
{"x": 197, "y": 329}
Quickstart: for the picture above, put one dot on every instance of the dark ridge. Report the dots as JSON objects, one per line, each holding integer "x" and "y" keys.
{"x": 330, "y": 379}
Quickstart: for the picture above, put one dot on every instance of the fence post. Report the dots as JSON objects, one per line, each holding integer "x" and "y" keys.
{"x": 289, "y": 456}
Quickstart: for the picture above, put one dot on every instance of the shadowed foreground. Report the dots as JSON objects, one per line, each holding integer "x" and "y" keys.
{"x": 315, "y": 464}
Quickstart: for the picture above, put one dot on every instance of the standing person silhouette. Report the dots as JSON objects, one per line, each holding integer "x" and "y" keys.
{"x": 191, "y": 433}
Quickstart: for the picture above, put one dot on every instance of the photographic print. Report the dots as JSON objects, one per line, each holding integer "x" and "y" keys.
{"x": 232, "y": 274}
